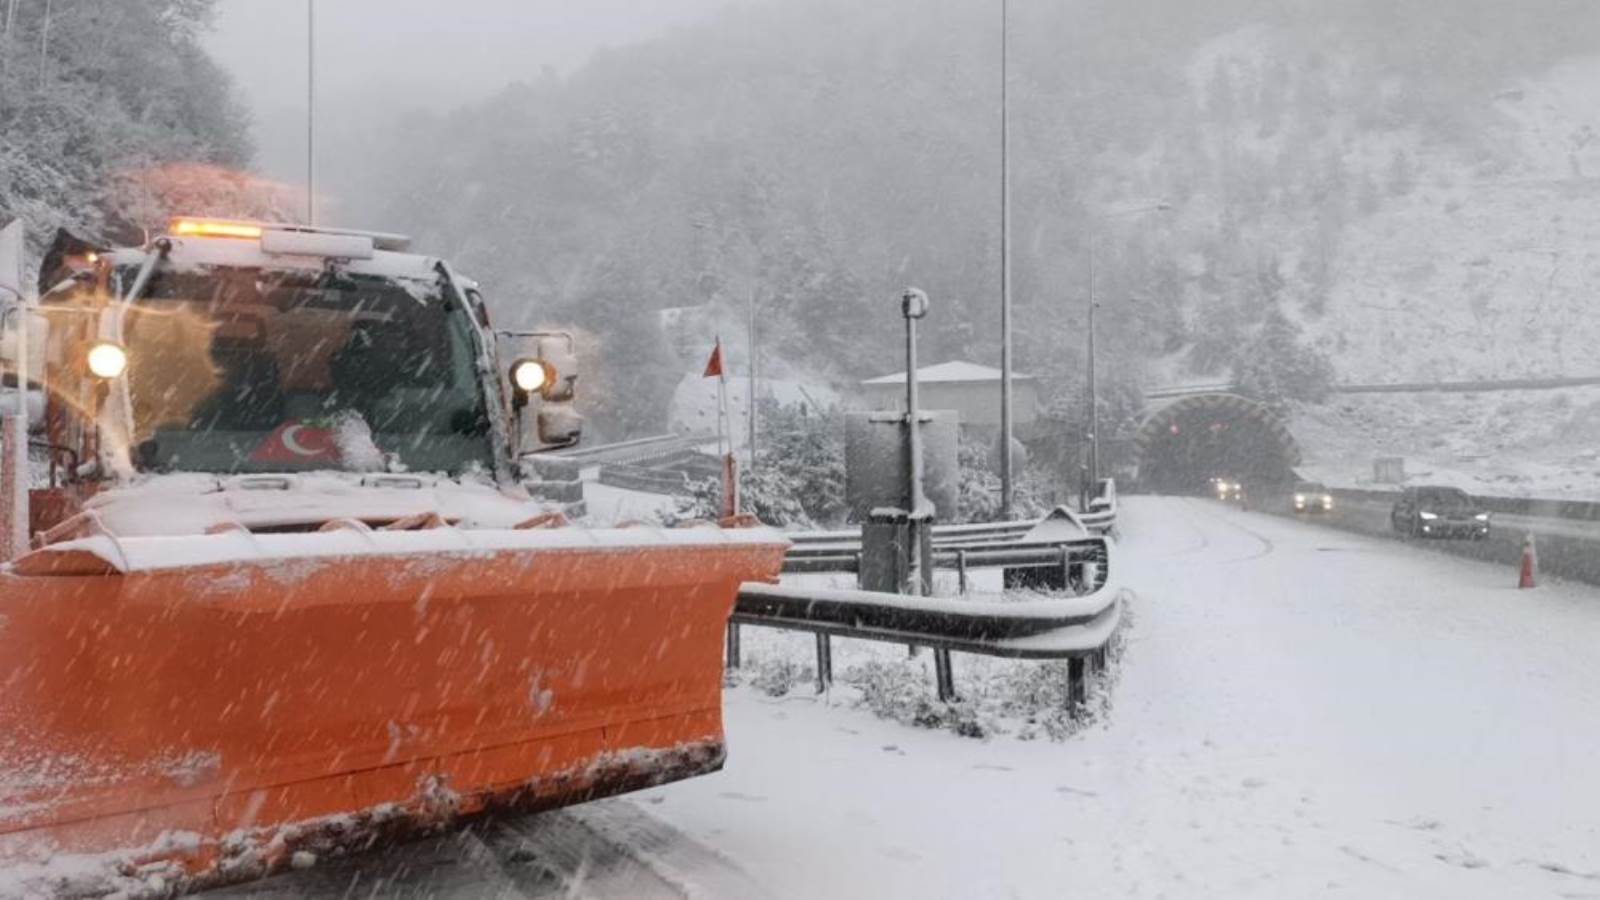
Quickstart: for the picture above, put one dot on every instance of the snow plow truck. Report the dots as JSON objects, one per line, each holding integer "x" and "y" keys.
{"x": 276, "y": 589}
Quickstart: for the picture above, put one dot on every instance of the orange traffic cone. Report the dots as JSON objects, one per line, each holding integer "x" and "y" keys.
{"x": 1530, "y": 563}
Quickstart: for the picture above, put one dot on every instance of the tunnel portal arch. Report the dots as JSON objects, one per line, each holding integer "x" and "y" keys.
{"x": 1181, "y": 446}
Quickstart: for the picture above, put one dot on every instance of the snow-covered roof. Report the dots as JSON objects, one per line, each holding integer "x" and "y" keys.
{"x": 955, "y": 370}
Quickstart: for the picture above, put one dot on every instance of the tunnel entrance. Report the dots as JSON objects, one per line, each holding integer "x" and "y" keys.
{"x": 1181, "y": 447}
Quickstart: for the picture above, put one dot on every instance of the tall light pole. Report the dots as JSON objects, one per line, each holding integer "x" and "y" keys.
{"x": 311, "y": 112}
{"x": 1094, "y": 393}
{"x": 1006, "y": 484}
{"x": 913, "y": 306}
{"x": 751, "y": 313}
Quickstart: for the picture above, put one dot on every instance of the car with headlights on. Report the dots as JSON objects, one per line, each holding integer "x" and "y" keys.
{"x": 1439, "y": 512}
{"x": 1311, "y": 497}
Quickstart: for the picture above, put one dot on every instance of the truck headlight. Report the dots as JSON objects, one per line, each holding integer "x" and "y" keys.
{"x": 1427, "y": 516}
{"x": 107, "y": 360}
{"x": 529, "y": 375}
{"x": 1482, "y": 517}
{"x": 1300, "y": 499}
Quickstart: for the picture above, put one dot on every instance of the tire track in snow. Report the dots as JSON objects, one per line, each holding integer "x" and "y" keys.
{"x": 1202, "y": 541}
{"x": 599, "y": 851}
{"x": 1267, "y": 546}
{"x": 616, "y": 850}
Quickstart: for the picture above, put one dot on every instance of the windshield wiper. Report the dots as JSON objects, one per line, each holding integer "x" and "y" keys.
{"x": 141, "y": 281}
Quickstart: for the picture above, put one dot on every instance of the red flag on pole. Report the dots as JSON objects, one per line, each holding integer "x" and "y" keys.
{"x": 714, "y": 364}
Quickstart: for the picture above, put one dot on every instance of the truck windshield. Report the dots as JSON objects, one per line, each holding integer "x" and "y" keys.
{"x": 246, "y": 370}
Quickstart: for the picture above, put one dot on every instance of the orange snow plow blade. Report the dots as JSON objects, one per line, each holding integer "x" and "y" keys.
{"x": 205, "y": 709}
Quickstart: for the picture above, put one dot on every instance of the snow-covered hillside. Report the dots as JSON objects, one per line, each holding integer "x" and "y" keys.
{"x": 1513, "y": 443}
{"x": 1477, "y": 274}
{"x": 1408, "y": 240}
{"x": 1407, "y": 243}
{"x": 1482, "y": 271}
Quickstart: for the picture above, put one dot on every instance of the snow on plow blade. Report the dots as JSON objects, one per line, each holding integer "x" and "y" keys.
{"x": 202, "y": 708}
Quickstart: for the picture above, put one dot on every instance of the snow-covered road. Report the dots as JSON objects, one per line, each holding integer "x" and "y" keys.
{"x": 1300, "y": 711}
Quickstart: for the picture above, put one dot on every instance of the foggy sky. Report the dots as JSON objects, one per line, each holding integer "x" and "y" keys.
{"x": 379, "y": 58}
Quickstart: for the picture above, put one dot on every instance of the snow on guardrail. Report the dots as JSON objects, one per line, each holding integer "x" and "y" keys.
{"x": 1100, "y": 518}
{"x": 634, "y": 451}
{"x": 1077, "y": 625}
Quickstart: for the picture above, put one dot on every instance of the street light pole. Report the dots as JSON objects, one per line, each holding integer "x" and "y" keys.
{"x": 1006, "y": 485}
{"x": 751, "y": 312}
{"x": 913, "y": 306}
{"x": 311, "y": 112}
{"x": 1094, "y": 394}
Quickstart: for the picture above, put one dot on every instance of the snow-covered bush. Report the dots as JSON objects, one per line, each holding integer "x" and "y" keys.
{"x": 900, "y": 689}
{"x": 798, "y": 480}
{"x": 777, "y": 676}
{"x": 979, "y": 497}
{"x": 1025, "y": 699}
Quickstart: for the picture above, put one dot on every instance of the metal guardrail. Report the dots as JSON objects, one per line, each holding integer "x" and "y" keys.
{"x": 843, "y": 548}
{"x": 1101, "y": 515}
{"x": 1082, "y": 561}
{"x": 1541, "y": 507}
{"x": 664, "y": 464}
{"x": 633, "y": 451}
{"x": 1077, "y": 627}
{"x": 641, "y": 478}
{"x": 1400, "y": 387}
{"x": 941, "y": 533}
{"x": 1468, "y": 387}
{"x": 1189, "y": 390}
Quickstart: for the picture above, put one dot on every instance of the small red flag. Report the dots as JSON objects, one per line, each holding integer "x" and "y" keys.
{"x": 714, "y": 364}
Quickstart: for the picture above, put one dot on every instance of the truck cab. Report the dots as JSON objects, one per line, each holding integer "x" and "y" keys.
{"x": 231, "y": 356}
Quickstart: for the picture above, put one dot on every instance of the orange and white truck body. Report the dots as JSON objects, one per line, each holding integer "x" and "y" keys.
{"x": 283, "y": 592}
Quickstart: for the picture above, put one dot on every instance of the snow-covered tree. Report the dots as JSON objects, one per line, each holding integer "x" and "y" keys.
{"x": 96, "y": 99}
{"x": 1276, "y": 365}
{"x": 799, "y": 477}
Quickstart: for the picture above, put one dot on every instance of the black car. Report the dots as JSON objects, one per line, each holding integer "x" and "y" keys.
{"x": 1441, "y": 512}
{"x": 1311, "y": 497}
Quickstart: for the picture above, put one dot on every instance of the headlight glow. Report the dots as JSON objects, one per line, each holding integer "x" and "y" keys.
{"x": 107, "y": 360}
{"x": 529, "y": 375}
{"x": 1427, "y": 516}
{"x": 1482, "y": 517}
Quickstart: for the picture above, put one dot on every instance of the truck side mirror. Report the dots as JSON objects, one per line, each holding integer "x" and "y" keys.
{"x": 15, "y": 321}
{"x": 540, "y": 374}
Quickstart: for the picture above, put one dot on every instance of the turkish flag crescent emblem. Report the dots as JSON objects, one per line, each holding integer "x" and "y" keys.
{"x": 296, "y": 442}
